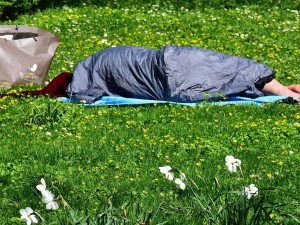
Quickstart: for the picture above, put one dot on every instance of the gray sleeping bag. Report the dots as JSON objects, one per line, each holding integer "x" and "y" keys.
{"x": 174, "y": 73}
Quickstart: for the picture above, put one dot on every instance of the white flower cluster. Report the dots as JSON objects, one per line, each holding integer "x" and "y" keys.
{"x": 170, "y": 176}
{"x": 250, "y": 191}
{"x": 47, "y": 196}
{"x": 231, "y": 163}
{"x": 28, "y": 215}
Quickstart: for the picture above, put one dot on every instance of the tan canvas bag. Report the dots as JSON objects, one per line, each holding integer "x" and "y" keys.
{"x": 25, "y": 54}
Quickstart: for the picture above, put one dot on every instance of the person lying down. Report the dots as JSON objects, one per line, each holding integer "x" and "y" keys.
{"x": 174, "y": 73}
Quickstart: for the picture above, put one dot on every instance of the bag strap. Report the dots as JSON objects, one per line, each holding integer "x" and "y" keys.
{"x": 17, "y": 29}
{"x": 16, "y": 33}
{"x": 11, "y": 32}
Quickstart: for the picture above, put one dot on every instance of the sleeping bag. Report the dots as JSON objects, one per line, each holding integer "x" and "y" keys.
{"x": 173, "y": 73}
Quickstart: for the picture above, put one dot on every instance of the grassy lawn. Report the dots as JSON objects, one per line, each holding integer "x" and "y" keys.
{"x": 104, "y": 161}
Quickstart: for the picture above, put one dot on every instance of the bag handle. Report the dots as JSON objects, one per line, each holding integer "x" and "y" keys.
{"x": 17, "y": 29}
{"x": 21, "y": 35}
{"x": 12, "y": 36}
{"x": 16, "y": 35}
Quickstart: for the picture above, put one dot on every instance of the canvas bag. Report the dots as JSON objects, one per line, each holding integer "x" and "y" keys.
{"x": 25, "y": 54}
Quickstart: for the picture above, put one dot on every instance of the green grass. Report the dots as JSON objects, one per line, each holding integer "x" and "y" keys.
{"x": 105, "y": 158}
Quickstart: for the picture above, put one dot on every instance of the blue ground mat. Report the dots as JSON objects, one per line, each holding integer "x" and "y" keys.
{"x": 111, "y": 100}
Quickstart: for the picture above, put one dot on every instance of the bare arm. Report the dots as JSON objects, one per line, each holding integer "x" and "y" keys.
{"x": 276, "y": 88}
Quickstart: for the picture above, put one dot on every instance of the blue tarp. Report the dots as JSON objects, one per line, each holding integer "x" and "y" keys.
{"x": 112, "y": 100}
